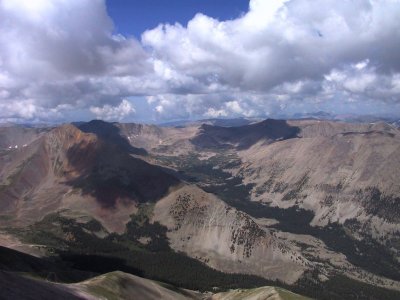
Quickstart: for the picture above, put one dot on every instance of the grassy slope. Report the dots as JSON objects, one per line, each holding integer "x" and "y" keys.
{"x": 119, "y": 285}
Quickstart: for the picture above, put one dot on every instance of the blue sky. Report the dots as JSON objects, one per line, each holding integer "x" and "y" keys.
{"x": 157, "y": 61}
{"x": 133, "y": 17}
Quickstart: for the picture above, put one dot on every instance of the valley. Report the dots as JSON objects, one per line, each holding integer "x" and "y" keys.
{"x": 310, "y": 206}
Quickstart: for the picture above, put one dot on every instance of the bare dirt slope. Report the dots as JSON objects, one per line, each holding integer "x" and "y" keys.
{"x": 204, "y": 227}
{"x": 67, "y": 168}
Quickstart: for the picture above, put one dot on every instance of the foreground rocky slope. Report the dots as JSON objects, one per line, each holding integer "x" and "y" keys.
{"x": 27, "y": 277}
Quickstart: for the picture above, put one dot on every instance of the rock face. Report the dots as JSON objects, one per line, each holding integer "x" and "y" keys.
{"x": 339, "y": 171}
{"x": 206, "y": 228}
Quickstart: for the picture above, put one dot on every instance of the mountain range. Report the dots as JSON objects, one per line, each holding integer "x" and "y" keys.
{"x": 307, "y": 205}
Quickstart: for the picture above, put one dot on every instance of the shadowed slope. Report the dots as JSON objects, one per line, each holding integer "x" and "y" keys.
{"x": 111, "y": 173}
{"x": 244, "y": 136}
{"x": 16, "y": 287}
{"x": 110, "y": 133}
{"x": 12, "y": 260}
{"x": 35, "y": 179}
{"x": 101, "y": 168}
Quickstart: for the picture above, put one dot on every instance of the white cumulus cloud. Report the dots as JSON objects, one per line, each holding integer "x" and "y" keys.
{"x": 57, "y": 52}
{"x": 58, "y": 57}
{"x": 113, "y": 113}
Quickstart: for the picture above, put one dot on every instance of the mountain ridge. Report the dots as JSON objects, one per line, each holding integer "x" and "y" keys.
{"x": 303, "y": 195}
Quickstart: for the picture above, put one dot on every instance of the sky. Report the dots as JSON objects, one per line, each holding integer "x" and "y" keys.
{"x": 157, "y": 60}
{"x": 133, "y": 17}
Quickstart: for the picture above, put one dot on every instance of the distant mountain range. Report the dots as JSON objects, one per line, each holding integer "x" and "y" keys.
{"x": 217, "y": 122}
